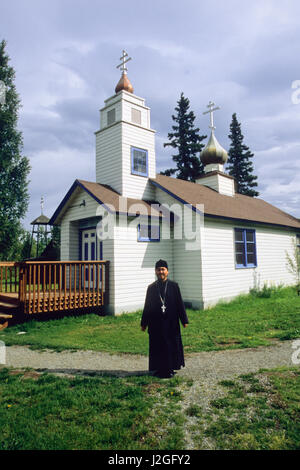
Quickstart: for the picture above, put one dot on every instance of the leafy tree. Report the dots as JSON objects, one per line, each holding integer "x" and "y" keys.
{"x": 239, "y": 161}
{"x": 186, "y": 139}
{"x": 14, "y": 168}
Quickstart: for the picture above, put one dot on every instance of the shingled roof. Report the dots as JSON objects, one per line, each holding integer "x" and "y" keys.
{"x": 236, "y": 207}
{"x": 110, "y": 198}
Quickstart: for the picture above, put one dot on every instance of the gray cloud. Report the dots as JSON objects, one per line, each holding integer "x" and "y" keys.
{"x": 244, "y": 56}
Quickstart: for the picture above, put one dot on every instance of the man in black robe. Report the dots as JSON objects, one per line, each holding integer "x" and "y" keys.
{"x": 162, "y": 311}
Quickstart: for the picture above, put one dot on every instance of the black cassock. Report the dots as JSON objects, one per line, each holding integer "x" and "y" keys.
{"x": 165, "y": 344}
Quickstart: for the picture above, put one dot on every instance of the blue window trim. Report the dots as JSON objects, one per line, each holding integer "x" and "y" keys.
{"x": 147, "y": 239}
{"x": 139, "y": 173}
{"x": 244, "y": 243}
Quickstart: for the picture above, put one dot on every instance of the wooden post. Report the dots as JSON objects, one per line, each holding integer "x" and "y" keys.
{"x": 59, "y": 284}
{"x": 34, "y": 284}
{"x": 65, "y": 282}
{"x": 106, "y": 295}
{"x": 75, "y": 281}
{"x": 54, "y": 279}
{"x": 79, "y": 284}
{"x": 38, "y": 284}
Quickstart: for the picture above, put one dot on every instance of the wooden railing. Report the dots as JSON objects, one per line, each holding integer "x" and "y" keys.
{"x": 49, "y": 286}
{"x": 9, "y": 276}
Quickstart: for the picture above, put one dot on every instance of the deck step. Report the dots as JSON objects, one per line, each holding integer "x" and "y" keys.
{"x": 9, "y": 299}
{"x": 5, "y": 316}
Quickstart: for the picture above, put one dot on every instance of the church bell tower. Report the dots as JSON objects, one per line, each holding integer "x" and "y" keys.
{"x": 125, "y": 143}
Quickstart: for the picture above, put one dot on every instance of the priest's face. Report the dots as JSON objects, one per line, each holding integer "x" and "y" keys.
{"x": 162, "y": 274}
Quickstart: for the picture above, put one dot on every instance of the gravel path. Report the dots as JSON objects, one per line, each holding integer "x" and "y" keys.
{"x": 206, "y": 366}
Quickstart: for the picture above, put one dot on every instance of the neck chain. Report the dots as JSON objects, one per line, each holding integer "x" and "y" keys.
{"x": 163, "y": 306}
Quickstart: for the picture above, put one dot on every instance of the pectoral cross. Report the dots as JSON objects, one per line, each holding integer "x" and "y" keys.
{"x": 124, "y": 60}
{"x": 211, "y": 110}
{"x": 163, "y": 307}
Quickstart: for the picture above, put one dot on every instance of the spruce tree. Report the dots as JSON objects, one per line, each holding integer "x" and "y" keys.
{"x": 14, "y": 168}
{"x": 186, "y": 139}
{"x": 239, "y": 161}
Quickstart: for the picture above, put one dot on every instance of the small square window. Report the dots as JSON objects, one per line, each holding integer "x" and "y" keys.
{"x": 148, "y": 233}
{"x": 111, "y": 116}
{"x": 139, "y": 162}
{"x": 136, "y": 116}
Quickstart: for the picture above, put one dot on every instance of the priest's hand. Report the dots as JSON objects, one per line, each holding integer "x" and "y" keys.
{"x": 143, "y": 328}
{"x": 184, "y": 326}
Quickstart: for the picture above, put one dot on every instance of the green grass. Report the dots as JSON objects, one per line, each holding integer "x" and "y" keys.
{"x": 247, "y": 321}
{"x": 41, "y": 411}
{"x": 259, "y": 411}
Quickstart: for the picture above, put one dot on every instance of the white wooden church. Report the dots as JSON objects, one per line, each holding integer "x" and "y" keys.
{"x": 217, "y": 243}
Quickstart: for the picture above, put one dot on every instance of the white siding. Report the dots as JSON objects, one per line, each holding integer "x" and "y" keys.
{"x": 108, "y": 255}
{"x": 186, "y": 263}
{"x": 113, "y": 147}
{"x": 210, "y": 181}
{"x": 145, "y": 113}
{"x": 219, "y": 183}
{"x": 135, "y": 265}
{"x": 222, "y": 280}
{"x": 109, "y": 156}
{"x": 226, "y": 185}
{"x": 133, "y": 185}
{"x": 103, "y": 114}
{"x": 70, "y": 220}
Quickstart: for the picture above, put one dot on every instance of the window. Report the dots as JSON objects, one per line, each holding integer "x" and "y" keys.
{"x": 298, "y": 241}
{"x": 148, "y": 233}
{"x": 245, "y": 248}
{"x": 136, "y": 116}
{"x": 111, "y": 116}
{"x": 139, "y": 162}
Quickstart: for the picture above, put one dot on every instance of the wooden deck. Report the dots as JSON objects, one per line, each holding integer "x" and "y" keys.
{"x": 35, "y": 287}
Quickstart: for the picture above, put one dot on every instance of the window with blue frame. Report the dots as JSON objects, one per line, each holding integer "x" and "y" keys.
{"x": 148, "y": 233}
{"x": 139, "y": 161}
{"x": 245, "y": 248}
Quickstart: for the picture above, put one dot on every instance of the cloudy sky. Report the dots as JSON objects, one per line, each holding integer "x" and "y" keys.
{"x": 242, "y": 55}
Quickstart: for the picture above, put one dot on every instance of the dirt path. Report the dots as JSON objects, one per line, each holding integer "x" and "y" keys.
{"x": 204, "y": 366}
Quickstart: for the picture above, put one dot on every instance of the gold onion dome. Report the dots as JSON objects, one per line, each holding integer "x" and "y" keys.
{"x": 124, "y": 84}
{"x": 213, "y": 152}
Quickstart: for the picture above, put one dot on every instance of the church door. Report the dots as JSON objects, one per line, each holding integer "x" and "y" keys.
{"x": 91, "y": 250}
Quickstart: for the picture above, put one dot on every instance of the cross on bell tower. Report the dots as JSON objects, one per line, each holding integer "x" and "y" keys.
{"x": 124, "y": 83}
{"x": 124, "y": 60}
{"x": 211, "y": 111}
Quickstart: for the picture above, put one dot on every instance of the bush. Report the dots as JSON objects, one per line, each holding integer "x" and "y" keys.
{"x": 266, "y": 291}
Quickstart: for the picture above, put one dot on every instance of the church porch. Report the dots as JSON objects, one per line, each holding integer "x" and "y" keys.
{"x": 39, "y": 287}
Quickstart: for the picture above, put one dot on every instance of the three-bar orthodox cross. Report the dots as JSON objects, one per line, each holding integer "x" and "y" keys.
{"x": 123, "y": 59}
{"x": 210, "y": 111}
